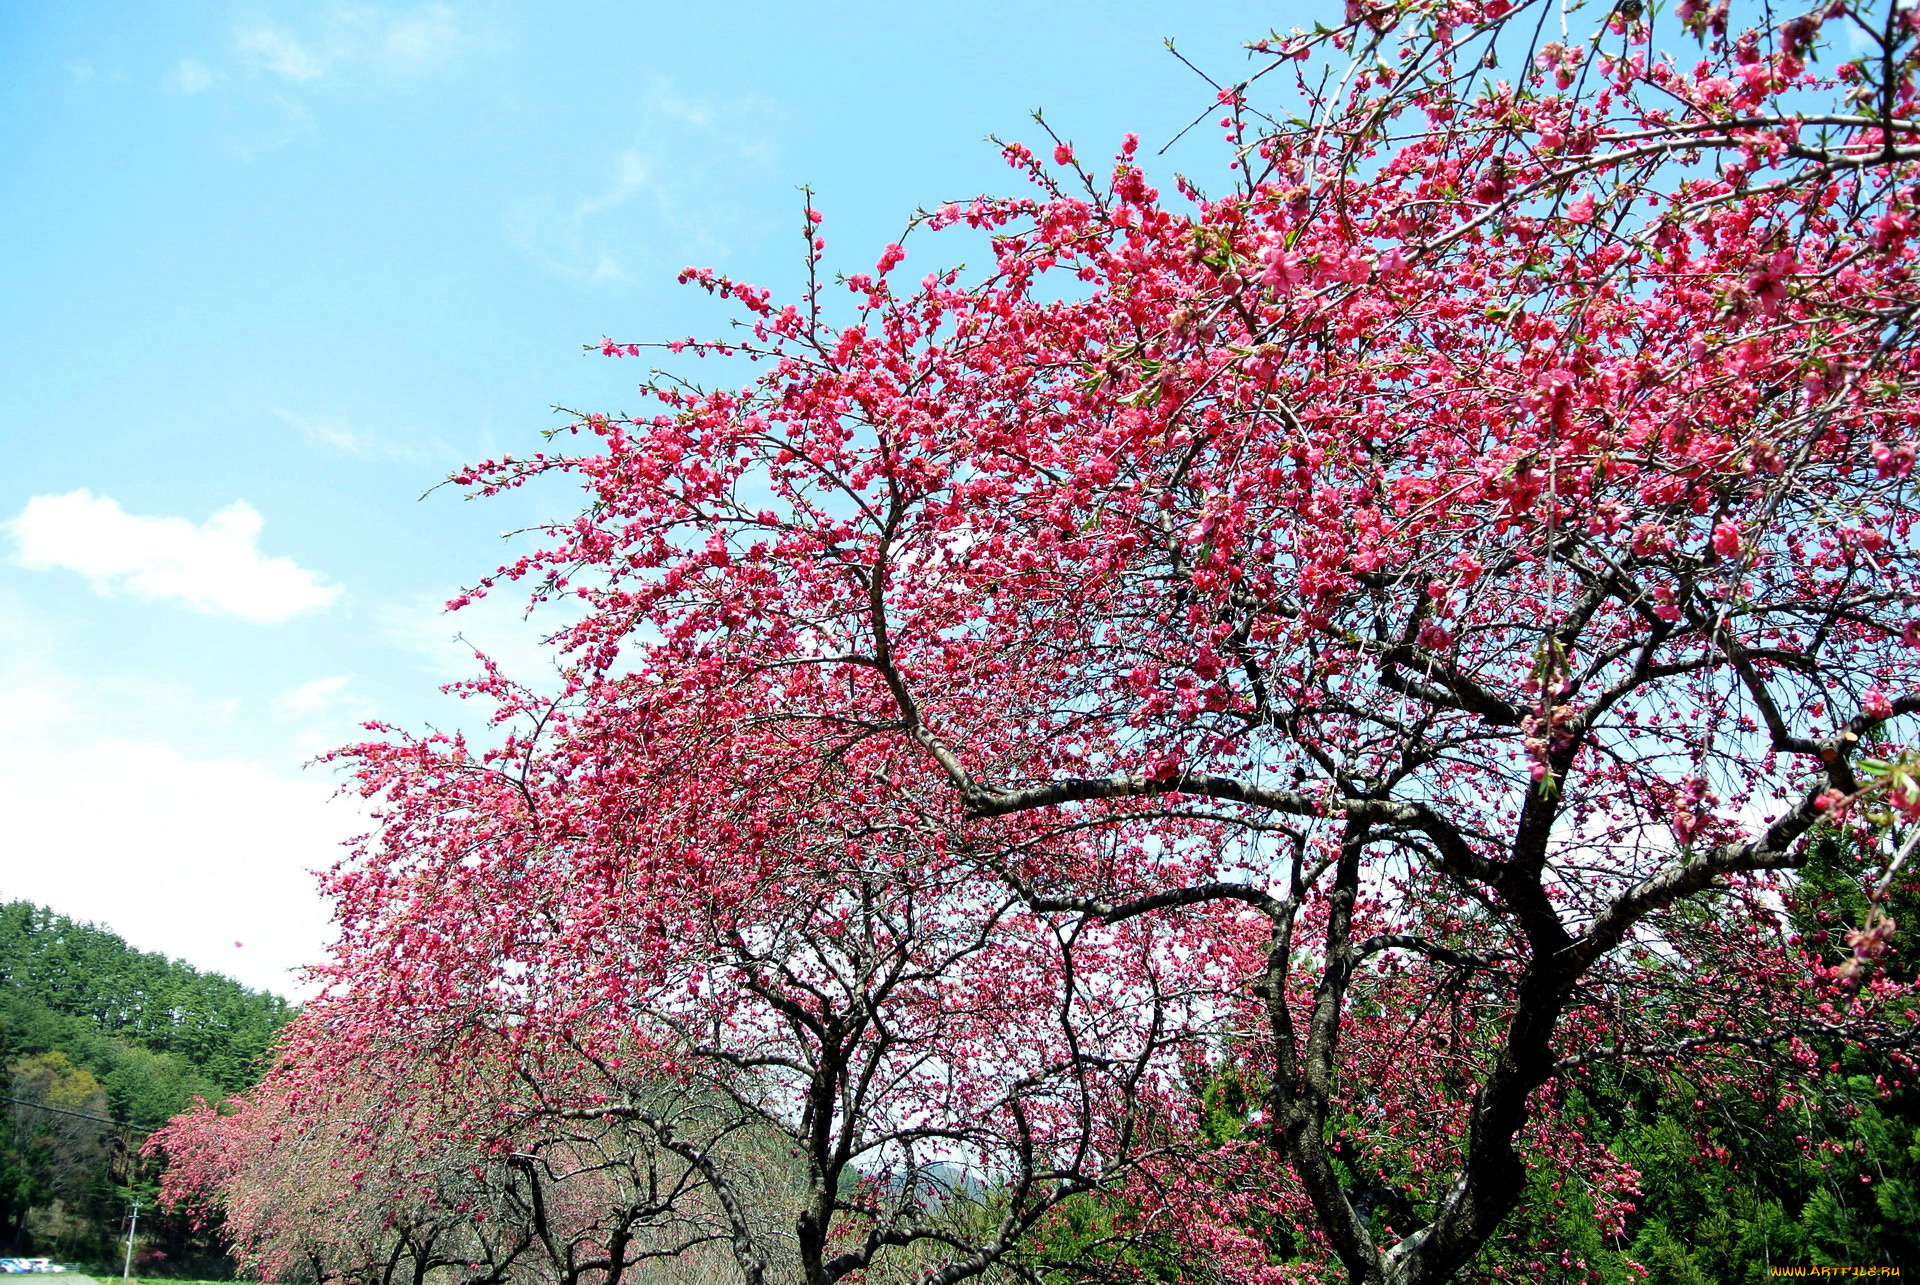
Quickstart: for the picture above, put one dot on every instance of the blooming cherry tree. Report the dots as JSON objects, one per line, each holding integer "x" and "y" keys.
{"x": 1380, "y": 621}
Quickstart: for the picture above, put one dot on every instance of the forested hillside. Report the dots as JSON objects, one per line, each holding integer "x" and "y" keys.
{"x": 102, "y": 1043}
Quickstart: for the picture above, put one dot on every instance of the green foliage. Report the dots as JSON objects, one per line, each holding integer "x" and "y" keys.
{"x": 69, "y": 980}
{"x": 1732, "y": 1181}
{"x": 1739, "y": 1173}
{"x": 101, "y": 1043}
{"x": 1096, "y": 1236}
{"x": 1727, "y": 1190}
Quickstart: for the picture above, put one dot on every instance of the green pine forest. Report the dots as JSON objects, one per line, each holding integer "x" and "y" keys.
{"x": 118, "y": 1040}
{"x": 103, "y": 1043}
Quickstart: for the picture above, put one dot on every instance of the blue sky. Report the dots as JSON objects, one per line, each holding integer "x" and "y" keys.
{"x": 274, "y": 270}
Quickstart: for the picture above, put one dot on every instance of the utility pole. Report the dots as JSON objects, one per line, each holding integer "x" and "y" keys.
{"x": 126, "y": 1271}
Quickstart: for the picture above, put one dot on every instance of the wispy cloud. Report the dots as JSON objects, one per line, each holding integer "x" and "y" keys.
{"x": 215, "y": 566}
{"x": 631, "y": 173}
{"x": 498, "y": 626}
{"x": 424, "y": 37}
{"x": 667, "y": 103}
{"x": 565, "y": 241}
{"x": 356, "y": 39}
{"x": 341, "y": 436}
{"x": 187, "y": 77}
{"x": 742, "y": 127}
{"x": 304, "y": 700}
{"x": 323, "y": 712}
{"x": 272, "y": 121}
{"x": 647, "y": 199}
{"x": 276, "y": 65}
{"x": 283, "y": 54}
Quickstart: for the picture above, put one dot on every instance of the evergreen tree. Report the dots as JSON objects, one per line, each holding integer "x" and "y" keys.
{"x": 101, "y": 1044}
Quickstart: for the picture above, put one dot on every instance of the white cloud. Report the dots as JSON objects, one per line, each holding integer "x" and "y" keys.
{"x": 630, "y": 174}
{"x": 577, "y": 239}
{"x": 332, "y": 433}
{"x": 681, "y": 209}
{"x": 329, "y": 431}
{"x": 113, "y": 817}
{"x": 280, "y": 52}
{"x": 273, "y": 122}
{"x": 392, "y": 42}
{"x": 189, "y": 76}
{"x": 318, "y": 696}
{"x": 562, "y": 246}
{"x": 81, "y": 72}
{"x": 606, "y": 270}
{"x": 566, "y": 243}
{"x": 497, "y": 625}
{"x": 742, "y": 126}
{"x": 667, "y": 103}
{"x": 179, "y": 854}
{"x": 324, "y": 713}
{"x": 425, "y": 36}
{"x": 214, "y": 567}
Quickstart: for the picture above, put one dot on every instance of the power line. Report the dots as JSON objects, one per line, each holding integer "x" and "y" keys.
{"x": 83, "y": 1115}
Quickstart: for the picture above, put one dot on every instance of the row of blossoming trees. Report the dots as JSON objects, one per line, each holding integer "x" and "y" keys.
{"x": 1386, "y": 629}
